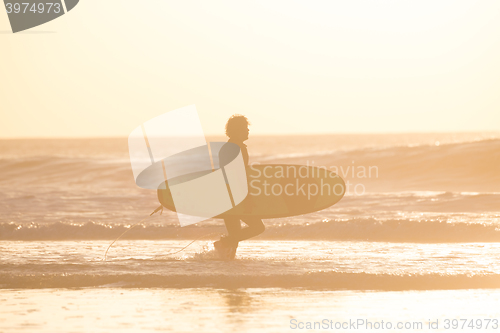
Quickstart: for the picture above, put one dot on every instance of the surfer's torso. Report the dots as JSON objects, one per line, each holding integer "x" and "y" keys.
{"x": 243, "y": 148}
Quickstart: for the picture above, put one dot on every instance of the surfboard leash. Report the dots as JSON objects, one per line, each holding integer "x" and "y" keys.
{"x": 154, "y": 212}
{"x": 197, "y": 239}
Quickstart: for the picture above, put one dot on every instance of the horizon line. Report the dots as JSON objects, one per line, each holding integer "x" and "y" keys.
{"x": 260, "y": 134}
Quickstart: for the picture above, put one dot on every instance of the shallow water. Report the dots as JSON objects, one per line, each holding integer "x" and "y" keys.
{"x": 259, "y": 264}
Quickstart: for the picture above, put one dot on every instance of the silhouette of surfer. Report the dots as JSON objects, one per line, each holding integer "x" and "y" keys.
{"x": 237, "y": 131}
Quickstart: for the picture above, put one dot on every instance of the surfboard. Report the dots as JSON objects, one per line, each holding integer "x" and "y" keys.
{"x": 278, "y": 190}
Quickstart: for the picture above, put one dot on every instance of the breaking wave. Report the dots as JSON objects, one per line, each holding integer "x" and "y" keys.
{"x": 396, "y": 230}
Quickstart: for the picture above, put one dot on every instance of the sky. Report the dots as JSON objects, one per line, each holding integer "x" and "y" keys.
{"x": 358, "y": 66}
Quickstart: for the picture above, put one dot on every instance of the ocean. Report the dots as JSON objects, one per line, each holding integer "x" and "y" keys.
{"x": 415, "y": 242}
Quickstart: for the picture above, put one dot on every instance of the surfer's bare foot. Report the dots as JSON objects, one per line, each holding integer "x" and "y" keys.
{"x": 226, "y": 248}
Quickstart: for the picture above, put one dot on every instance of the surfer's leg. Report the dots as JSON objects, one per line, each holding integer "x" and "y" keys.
{"x": 233, "y": 227}
{"x": 255, "y": 227}
{"x": 227, "y": 245}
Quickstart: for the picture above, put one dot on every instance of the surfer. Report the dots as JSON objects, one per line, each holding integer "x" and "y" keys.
{"x": 237, "y": 132}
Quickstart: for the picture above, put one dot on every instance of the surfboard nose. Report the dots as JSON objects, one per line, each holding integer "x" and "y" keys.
{"x": 26, "y": 14}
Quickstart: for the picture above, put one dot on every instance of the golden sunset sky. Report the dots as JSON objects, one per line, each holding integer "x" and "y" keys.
{"x": 290, "y": 66}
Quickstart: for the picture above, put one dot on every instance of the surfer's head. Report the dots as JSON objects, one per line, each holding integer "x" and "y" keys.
{"x": 237, "y": 127}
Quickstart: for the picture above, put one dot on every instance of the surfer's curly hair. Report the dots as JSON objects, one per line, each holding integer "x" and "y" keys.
{"x": 235, "y": 123}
